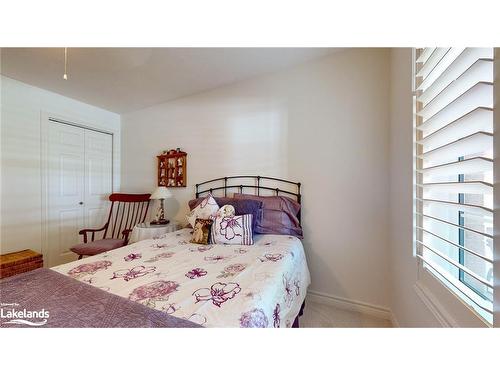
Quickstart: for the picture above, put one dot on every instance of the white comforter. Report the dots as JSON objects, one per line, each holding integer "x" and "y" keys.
{"x": 262, "y": 285}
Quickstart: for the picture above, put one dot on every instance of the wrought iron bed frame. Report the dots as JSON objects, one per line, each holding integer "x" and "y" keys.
{"x": 257, "y": 187}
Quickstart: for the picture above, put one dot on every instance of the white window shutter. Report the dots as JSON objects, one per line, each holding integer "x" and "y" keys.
{"x": 454, "y": 170}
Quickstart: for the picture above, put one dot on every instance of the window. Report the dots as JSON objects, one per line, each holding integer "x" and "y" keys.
{"x": 454, "y": 170}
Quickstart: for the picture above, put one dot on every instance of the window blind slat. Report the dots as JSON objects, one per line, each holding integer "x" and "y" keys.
{"x": 466, "y": 59}
{"x": 456, "y": 225}
{"x": 481, "y": 71}
{"x": 425, "y": 54}
{"x": 482, "y": 304}
{"x": 479, "y": 119}
{"x": 427, "y": 96}
{"x": 431, "y": 62}
{"x": 480, "y": 95}
{"x": 470, "y": 208}
{"x": 472, "y": 252}
{"x": 436, "y": 71}
{"x": 469, "y": 166}
{"x": 466, "y": 187}
{"x": 458, "y": 265}
{"x": 469, "y": 145}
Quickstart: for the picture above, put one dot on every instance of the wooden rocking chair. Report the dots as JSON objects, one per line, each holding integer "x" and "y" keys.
{"x": 126, "y": 211}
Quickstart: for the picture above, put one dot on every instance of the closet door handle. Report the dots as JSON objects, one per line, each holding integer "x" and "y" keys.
{"x": 80, "y": 203}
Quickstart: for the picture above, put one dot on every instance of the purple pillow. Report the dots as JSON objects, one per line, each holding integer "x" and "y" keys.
{"x": 279, "y": 215}
{"x": 241, "y": 207}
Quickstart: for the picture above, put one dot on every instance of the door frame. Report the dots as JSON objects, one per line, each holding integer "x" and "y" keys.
{"x": 45, "y": 118}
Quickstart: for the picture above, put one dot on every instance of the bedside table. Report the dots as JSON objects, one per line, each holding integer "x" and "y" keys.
{"x": 22, "y": 261}
{"x": 146, "y": 231}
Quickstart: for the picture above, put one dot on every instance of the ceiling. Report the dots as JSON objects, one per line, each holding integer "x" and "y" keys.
{"x": 127, "y": 79}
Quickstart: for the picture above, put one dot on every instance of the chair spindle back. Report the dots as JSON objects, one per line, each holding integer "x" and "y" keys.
{"x": 126, "y": 211}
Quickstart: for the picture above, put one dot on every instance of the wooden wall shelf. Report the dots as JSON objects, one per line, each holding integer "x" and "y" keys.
{"x": 172, "y": 169}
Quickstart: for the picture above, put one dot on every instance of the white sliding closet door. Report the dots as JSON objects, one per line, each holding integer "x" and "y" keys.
{"x": 98, "y": 177}
{"x": 79, "y": 180}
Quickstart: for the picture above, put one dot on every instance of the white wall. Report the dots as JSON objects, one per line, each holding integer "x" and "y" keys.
{"x": 21, "y": 110}
{"x": 324, "y": 124}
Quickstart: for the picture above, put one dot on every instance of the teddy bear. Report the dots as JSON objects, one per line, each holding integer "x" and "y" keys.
{"x": 226, "y": 211}
{"x": 198, "y": 232}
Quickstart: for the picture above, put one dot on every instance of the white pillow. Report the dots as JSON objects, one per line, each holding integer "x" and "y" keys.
{"x": 235, "y": 230}
{"x": 207, "y": 207}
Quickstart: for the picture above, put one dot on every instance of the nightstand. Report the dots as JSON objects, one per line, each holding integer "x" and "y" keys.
{"x": 145, "y": 231}
{"x": 22, "y": 261}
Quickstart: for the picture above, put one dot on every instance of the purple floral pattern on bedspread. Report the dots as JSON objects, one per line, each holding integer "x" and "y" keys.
{"x": 218, "y": 293}
{"x": 232, "y": 270}
{"x": 276, "y": 316}
{"x": 268, "y": 257}
{"x": 195, "y": 273}
{"x": 132, "y": 256}
{"x": 201, "y": 249}
{"x": 133, "y": 273}
{"x": 156, "y": 290}
{"x": 255, "y": 318}
{"x": 89, "y": 268}
{"x": 215, "y": 285}
{"x": 158, "y": 246}
{"x": 217, "y": 258}
{"x": 157, "y": 257}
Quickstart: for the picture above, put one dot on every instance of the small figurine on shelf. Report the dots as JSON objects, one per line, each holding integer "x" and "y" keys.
{"x": 172, "y": 165}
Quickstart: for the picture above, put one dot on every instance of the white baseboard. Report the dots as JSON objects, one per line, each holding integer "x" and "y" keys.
{"x": 394, "y": 321}
{"x": 351, "y": 305}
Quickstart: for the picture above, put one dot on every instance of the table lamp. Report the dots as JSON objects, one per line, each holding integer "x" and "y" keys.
{"x": 160, "y": 193}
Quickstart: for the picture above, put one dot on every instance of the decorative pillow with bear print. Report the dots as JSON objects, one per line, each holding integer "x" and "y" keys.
{"x": 208, "y": 207}
{"x": 201, "y": 231}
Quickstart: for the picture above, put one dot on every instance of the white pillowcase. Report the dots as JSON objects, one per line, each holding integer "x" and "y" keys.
{"x": 207, "y": 207}
{"x": 235, "y": 230}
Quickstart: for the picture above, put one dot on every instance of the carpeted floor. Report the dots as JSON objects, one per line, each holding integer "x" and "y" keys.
{"x": 317, "y": 315}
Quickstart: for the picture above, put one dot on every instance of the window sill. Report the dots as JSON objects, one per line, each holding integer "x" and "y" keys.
{"x": 448, "y": 309}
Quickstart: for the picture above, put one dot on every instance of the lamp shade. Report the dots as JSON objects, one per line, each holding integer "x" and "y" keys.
{"x": 161, "y": 192}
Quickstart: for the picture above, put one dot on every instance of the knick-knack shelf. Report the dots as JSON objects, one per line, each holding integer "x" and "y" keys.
{"x": 172, "y": 169}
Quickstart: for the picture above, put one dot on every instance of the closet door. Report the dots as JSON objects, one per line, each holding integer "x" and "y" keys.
{"x": 65, "y": 190}
{"x": 79, "y": 181}
{"x": 98, "y": 177}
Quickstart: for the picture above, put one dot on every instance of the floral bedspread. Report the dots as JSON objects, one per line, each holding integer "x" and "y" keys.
{"x": 262, "y": 285}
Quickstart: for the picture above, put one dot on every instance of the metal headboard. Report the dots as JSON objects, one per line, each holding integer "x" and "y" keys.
{"x": 225, "y": 185}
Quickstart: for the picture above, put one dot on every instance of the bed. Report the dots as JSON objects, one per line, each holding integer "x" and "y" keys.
{"x": 215, "y": 285}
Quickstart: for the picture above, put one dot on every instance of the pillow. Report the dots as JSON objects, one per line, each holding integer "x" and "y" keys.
{"x": 279, "y": 215}
{"x": 236, "y": 230}
{"x": 201, "y": 231}
{"x": 206, "y": 208}
{"x": 241, "y": 207}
